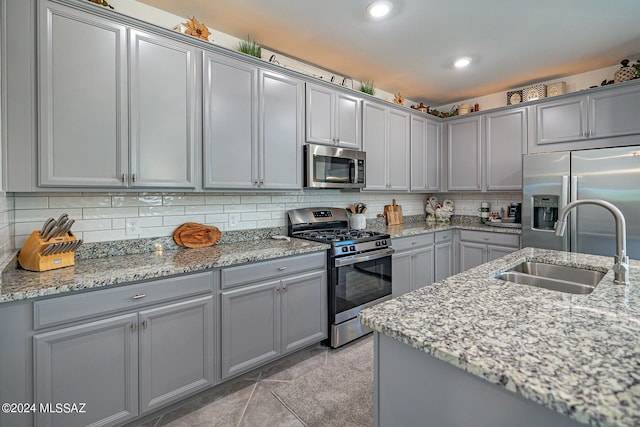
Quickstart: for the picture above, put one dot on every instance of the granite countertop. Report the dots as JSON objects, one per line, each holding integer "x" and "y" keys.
{"x": 413, "y": 227}
{"x": 18, "y": 284}
{"x": 575, "y": 354}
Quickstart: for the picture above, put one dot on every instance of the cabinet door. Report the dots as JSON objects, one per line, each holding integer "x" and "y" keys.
{"x": 505, "y": 142}
{"x": 443, "y": 261}
{"x": 82, "y": 98}
{"x": 165, "y": 111}
{"x": 434, "y": 142}
{"x": 320, "y": 111}
{"x": 472, "y": 255}
{"x": 464, "y": 139}
{"x": 347, "y": 121}
{"x": 250, "y": 327}
{"x": 95, "y": 363}
{"x": 495, "y": 252}
{"x": 418, "y": 154}
{"x": 280, "y": 136}
{"x": 562, "y": 120}
{"x": 422, "y": 267}
{"x": 614, "y": 113}
{"x": 374, "y": 144}
{"x": 398, "y": 149}
{"x": 402, "y": 275}
{"x": 176, "y": 351}
{"x": 304, "y": 310}
{"x": 230, "y": 123}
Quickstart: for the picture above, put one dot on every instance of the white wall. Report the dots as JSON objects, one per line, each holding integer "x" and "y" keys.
{"x": 573, "y": 84}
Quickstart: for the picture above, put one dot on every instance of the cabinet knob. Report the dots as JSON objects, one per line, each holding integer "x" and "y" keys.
{"x": 278, "y": 289}
{"x": 486, "y": 238}
{"x": 123, "y": 178}
{"x": 284, "y": 288}
{"x": 138, "y": 296}
{"x": 261, "y": 181}
{"x": 133, "y": 177}
{"x": 282, "y": 268}
{"x": 133, "y": 326}
{"x": 145, "y": 323}
{"x": 255, "y": 181}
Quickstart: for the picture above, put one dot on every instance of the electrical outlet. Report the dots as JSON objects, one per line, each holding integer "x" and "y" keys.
{"x": 234, "y": 219}
{"x": 133, "y": 227}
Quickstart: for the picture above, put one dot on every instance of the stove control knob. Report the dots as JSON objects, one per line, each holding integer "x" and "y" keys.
{"x": 384, "y": 243}
{"x": 378, "y": 243}
{"x": 345, "y": 249}
{"x": 352, "y": 248}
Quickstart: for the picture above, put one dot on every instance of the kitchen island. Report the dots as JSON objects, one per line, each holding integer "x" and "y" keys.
{"x": 475, "y": 350}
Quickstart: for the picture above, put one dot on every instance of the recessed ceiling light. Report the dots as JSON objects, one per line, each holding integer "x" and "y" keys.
{"x": 379, "y": 9}
{"x": 462, "y": 62}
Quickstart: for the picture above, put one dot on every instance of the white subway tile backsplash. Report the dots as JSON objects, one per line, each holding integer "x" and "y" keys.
{"x": 158, "y": 214}
{"x": 80, "y": 202}
{"x": 35, "y": 202}
{"x": 95, "y": 213}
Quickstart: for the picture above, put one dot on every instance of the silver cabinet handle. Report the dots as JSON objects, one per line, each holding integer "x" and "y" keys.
{"x": 123, "y": 178}
{"x": 284, "y": 288}
{"x": 145, "y": 323}
{"x": 133, "y": 177}
{"x": 486, "y": 238}
{"x": 133, "y": 326}
{"x": 138, "y": 296}
{"x": 282, "y": 268}
{"x": 414, "y": 243}
{"x": 255, "y": 182}
{"x": 278, "y": 289}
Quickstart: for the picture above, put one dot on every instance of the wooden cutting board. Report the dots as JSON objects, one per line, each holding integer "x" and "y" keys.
{"x": 393, "y": 213}
{"x": 194, "y": 235}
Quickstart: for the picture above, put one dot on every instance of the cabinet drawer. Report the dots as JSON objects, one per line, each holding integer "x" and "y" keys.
{"x": 412, "y": 242}
{"x": 489, "y": 238}
{"x": 234, "y": 276}
{"x": 443, "y": 236}
{"x": 71, "y": 308}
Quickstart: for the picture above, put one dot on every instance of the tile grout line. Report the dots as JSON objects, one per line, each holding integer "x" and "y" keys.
{"x": 244, "y": 410}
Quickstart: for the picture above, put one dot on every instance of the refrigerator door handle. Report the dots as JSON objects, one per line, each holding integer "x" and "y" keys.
{"x": 573, "y": 216}
{"x": 564, "y": 200}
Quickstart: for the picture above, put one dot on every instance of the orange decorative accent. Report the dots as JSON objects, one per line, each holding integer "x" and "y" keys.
{"x": 196, "y": 29}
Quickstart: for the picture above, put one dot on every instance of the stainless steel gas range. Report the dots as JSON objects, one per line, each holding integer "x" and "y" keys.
{"x": 359, "y": 264}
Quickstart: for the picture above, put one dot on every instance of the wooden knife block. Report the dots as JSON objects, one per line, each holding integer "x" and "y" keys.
{"x": 30, "y": 257}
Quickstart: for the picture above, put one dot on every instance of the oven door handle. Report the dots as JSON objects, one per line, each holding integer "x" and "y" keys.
{"x": 354, "y": 259}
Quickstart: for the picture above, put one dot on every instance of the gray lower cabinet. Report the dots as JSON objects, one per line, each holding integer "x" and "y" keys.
{"x": 95, "y": 364}
{"x": 443, "y": 255}
{"x": 114, "y": 121}
{"x": 252, "y": 126}
{"x": 425, "y": 154}
{"x": 412, "y": 264}
{"x": 478, "y": 247}
{"x": 263, "y": 319}
{"x": 124, "y": 365}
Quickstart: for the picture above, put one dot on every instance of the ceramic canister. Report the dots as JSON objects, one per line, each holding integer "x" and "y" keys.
{"x": 358, "y": 221}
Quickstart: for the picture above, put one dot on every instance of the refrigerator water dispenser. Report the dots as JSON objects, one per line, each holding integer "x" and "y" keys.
{"x": 545, "y": 211}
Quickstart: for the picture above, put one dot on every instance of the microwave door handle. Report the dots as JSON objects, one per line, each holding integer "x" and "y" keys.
{"x": 353, "y": 171}
{"x": 354, "y": 259}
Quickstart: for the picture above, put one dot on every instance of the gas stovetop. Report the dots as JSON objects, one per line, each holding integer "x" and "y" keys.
{"x": 331, "y": 225}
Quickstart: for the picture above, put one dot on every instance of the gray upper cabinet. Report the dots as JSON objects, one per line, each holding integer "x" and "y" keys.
{"x": 333, "y": 117}
{"x": 386, "y": 140}
{"x": 252, "y": 126}
{"x": 281, "y": 131}
{"x": 83, "y": 108}
{"x": 425, "y": 154}
{"x": 230, "y": 136}
{"x": 464, "y": 145}
{"x": 165, "y": 115}
{"x": 127, "y": 117}
{"x": 601, "y": 119}
{"x": 505, "y": 142}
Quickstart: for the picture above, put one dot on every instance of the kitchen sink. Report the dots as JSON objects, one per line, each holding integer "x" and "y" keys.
{"x": 572, "y": 280}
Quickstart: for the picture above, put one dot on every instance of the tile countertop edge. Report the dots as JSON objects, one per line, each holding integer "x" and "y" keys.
{"x": 391, "y": 318}
{"x": 18, "y": 284}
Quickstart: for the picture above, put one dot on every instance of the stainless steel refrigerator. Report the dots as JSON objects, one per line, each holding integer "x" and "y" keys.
{"x": 551, "y": 180}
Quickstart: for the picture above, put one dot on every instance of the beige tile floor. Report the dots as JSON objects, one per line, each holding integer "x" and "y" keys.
{"x": 247, "y": 401}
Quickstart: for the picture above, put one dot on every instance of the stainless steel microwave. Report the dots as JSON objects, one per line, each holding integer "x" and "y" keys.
{"x": 333, "y": 167}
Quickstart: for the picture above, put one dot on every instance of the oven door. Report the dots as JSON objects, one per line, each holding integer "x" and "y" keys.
{"x": 359, "y": 281}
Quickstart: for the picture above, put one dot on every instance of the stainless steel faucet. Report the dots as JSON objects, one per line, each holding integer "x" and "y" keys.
{"x": 621, "y": 266}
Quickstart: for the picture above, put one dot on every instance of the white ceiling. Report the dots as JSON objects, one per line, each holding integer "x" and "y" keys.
{"x": 512, "y": 42}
